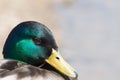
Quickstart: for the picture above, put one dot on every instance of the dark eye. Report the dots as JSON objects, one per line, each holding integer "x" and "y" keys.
{"x": 39, "y": 41}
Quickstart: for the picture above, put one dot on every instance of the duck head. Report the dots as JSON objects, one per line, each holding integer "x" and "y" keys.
{"x": 33, "y": 43}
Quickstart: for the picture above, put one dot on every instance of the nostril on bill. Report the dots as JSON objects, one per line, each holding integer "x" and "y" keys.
{"x": 57, "y": 58}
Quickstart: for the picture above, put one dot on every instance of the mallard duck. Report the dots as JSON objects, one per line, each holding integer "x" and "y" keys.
{"x": 31, "y": 53}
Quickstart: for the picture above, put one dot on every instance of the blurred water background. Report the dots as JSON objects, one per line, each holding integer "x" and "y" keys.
{"x": 87, "y": 31}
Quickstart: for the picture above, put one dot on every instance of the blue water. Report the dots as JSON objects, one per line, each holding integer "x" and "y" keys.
{"x": 90, "y": 32}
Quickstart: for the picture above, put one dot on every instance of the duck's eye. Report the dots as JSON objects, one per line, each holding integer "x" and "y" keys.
{"x": 39, "y": 41}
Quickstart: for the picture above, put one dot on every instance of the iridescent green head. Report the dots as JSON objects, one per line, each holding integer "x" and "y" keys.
{"x": 33, "y": 43}
{"x": 29, "y": 42}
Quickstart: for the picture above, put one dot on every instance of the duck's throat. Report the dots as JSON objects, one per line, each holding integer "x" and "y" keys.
{"x": 49, "y": 67}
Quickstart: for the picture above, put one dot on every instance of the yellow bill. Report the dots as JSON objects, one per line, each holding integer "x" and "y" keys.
{"x": 60, "y": 64}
